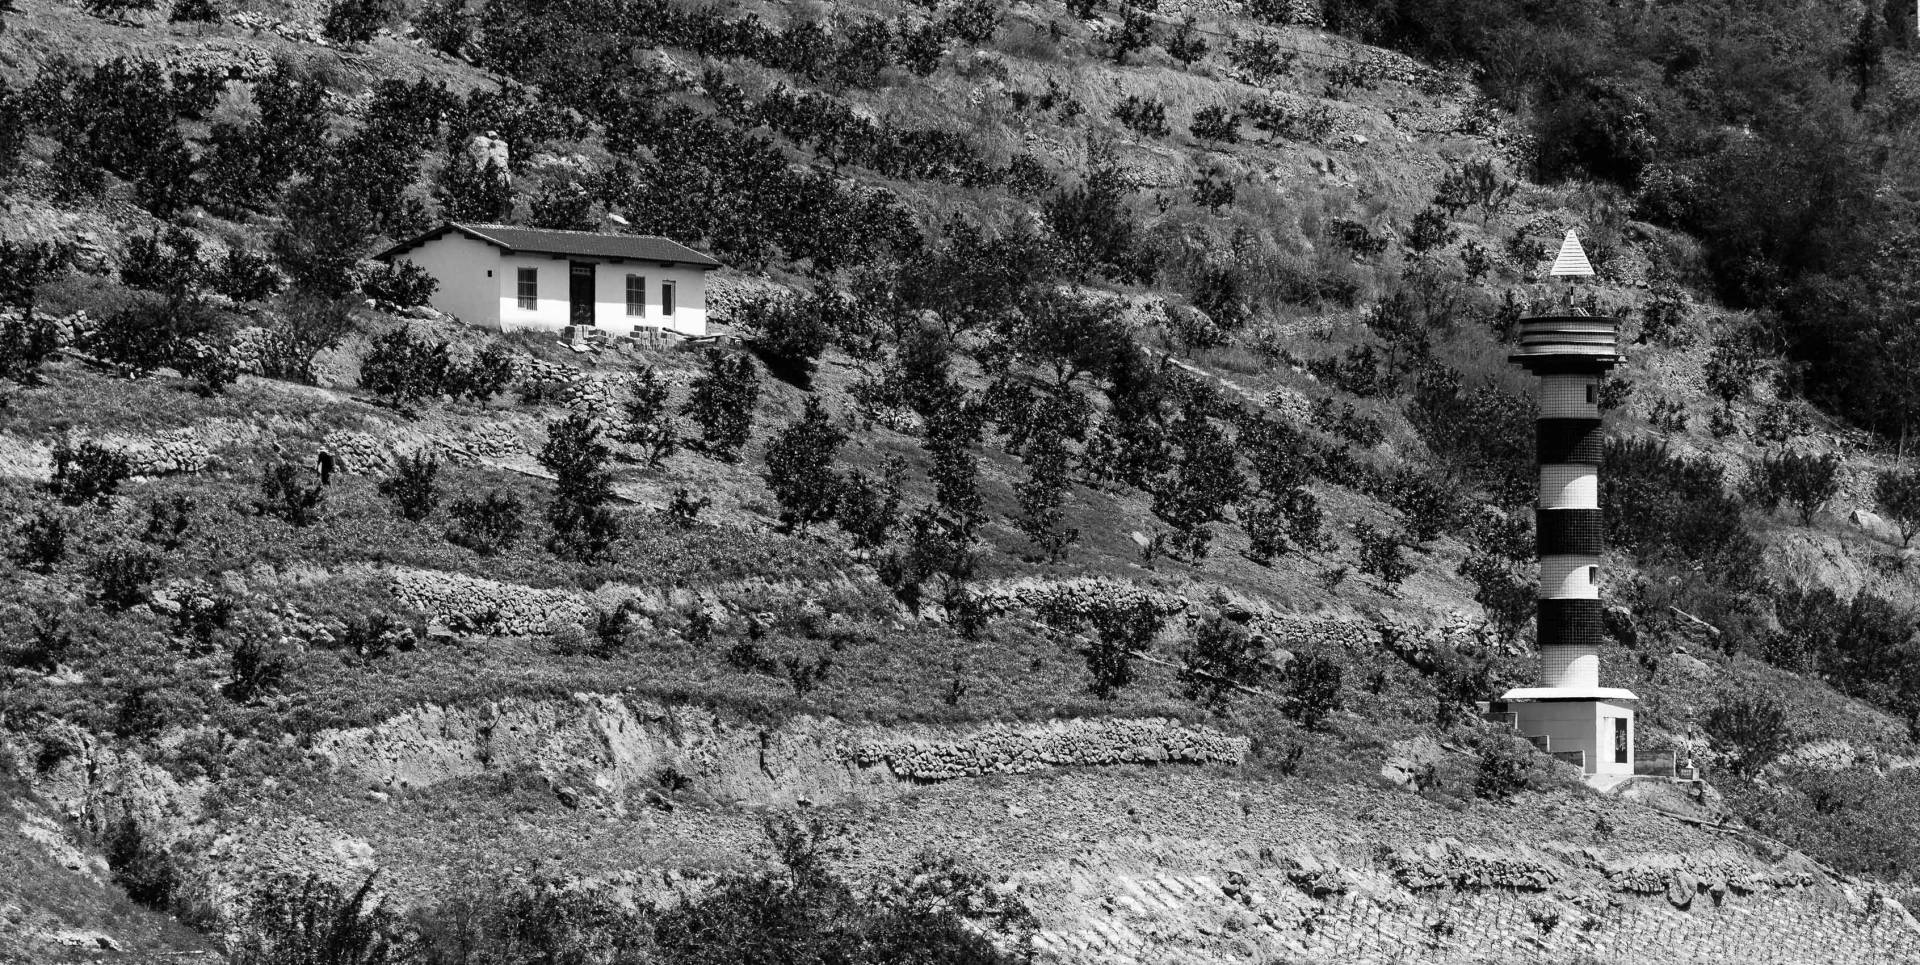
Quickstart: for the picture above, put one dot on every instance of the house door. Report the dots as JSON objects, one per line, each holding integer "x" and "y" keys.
{"x": 580, "y": 293}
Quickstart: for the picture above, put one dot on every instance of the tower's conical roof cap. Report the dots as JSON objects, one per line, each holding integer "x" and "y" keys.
{"x": 1572, "y": 259}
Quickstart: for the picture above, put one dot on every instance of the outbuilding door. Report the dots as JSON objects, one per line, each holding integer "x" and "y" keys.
{"x": 580, "y": 292}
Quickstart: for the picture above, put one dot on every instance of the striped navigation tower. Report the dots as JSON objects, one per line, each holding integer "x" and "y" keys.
{"x": 1569, "y": 713}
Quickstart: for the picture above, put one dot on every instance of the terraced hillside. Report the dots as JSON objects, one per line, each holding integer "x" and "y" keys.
{"x": 1088, "y": 536}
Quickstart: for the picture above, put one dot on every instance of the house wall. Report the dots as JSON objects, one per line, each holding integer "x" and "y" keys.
{"x": 1579, "y": 725}
{"x": 460, "y": 265}
{"x": 610, "y": 295}
{"x": 550, "y": 311}
{"x": 690, "y": 300}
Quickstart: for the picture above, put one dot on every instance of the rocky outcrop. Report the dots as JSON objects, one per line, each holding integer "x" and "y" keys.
{"x": 1013, "y": 750}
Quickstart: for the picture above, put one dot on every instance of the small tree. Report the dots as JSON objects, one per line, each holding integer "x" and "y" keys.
{"x": 647, "y": 421}
{"x": 1043, "y": 493}
{"x": 356, "y": 21}
{"x": 1806, "y": 482}
{"x": 297, "y": 335}
{"x": 721, "y": 402}
{"x": 472, "y": 191}
{"x": 1751, "y": 730}
{"x": 1216, "y": 122}
{"x": 283, "y": 495}
{"x": 245, "y": 276}
{"x": 1313, "y": 690}
{"x": 484, "y": 376}
{"x": 486, "y": 526}
{"x": 44, "y": 540}
{"x": 869, "y": 506}
{"x": 1380, "y": 555}
{"x": 1203, "y": 484}
{"x": 401, "y": 284}
{"x": 1222, "y": 658}
{"x": 405, "y": 369}
{"x": 800, "y": 467}
{"x": 291, "y": 920}
{"x": 123, "y": 576}
{"x": 411, "y": 487}
{"x": 1185, "y": 45}
{"x": 1120, "y": 632}
{"x": 584, "y": 529}
{"x": 1505, "y": 595}
{"x": 1506, "y": 766}
{"x": 87, "y": 473}
{"x": 1898, "y": 493}
{"x": 193, "y": 11}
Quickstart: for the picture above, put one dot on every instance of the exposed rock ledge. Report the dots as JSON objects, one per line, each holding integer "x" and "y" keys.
{"x": 604, "y": 747}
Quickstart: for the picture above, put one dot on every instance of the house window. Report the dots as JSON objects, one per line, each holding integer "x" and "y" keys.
{"x": 666, "y": 298}
{"x": 1620, "y": 741}
{"x": 1593, "y": 394}
{"x": 529, "y": 288}
{"x": 637, "y": 296}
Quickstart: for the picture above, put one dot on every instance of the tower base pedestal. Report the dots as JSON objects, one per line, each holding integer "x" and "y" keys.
{"x": 1591, "y": 728}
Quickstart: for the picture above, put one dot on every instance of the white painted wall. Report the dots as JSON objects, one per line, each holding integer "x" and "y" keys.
{"x": 1579, "y": 725}
{"x": 466, "y": 291}
{"x": 460, "y": 265}
{"x": 550, "y": 310}
{"x": 689, "y": 297}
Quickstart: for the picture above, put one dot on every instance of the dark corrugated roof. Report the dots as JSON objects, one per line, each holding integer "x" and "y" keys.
{"x": 550, "y": 242}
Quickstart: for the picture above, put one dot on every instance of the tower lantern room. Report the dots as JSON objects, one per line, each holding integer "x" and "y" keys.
{"x": 1569, "y": 712}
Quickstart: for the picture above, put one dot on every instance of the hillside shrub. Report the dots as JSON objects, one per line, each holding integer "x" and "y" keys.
{"x": 487, "y": 374}
{"x": 869, "y": 504}
{"x": 1043, "y": 494}
{"x": 168, "y": 264}
{"x": 169, "y": 520}
{"x": 141, "y": 866}
{"x": 294, "y": 921}
{"x": 1897, "y": 493}
{"x": 1221, "y": 658}
{"x": 1204, "y": 483}
{"x": 400, "y": 284}
{"x": 791, "y": 331}
{"x": 123, "y": 576}
{"x": 487, "y": 526}
{"x": 1380, "y": 555}
{"x": 406, "y": 369}
{"x": 446, "y": 25}
{"x": 43, "y": 540}
{"x": 1750, "y": 731}
{"x": 25, "y": 345}
{"x": 1657, "y": 504}
{"x": 356, "y": 21}
{"x": 647, "y": 418}
{"x": 1216, "y": 122}
{"x": 1184, "y": 44}
{"x": 282, "y": 495}
{"x": 1312, "y": 685}
{"x": 950, "y": 437}
{"x": 193, "y": 11}
{"x": 255, "y": 668}
{"x": 298, "y": 333}
{"x": 1503, "y": 590}
{"x": 800, "y": 472}
{"x": 87, "y": 473}
{"x": 469, "y": 190}
{"x": 1120, "y": 632}
{"x": 1506, "y": 765}
{"x": 1143, "y": 115}
{"x": 411, "y": 488}
{"x": 245, "y": 276}
{"x": 721, "y": 400}
{"x": 1806, "y": 482}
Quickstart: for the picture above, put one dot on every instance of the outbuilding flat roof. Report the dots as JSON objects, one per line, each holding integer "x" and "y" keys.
{"x": 547, "y": 241}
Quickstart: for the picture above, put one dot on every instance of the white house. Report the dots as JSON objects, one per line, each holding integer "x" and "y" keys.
{"x": 509, "y": 278}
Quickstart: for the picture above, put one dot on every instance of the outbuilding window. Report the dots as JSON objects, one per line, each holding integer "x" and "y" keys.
{"x": 666, "y": 298}
{"x": 528, "y": 282}
{"x": 637, "y": 296}
{"x": 1593, "y": 394}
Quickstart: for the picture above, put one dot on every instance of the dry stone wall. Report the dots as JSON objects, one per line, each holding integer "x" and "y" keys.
{"x": 599, "y": 746}
{"x": 1013, "y": 750}
{"x": 506, "y": 609}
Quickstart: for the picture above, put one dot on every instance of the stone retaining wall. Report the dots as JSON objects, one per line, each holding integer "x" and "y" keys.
{"x": 506, "y": 609}
{"x": 1014, "y": 750}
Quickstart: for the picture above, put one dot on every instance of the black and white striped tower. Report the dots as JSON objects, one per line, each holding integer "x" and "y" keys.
{"x": 1571, "y": 352}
